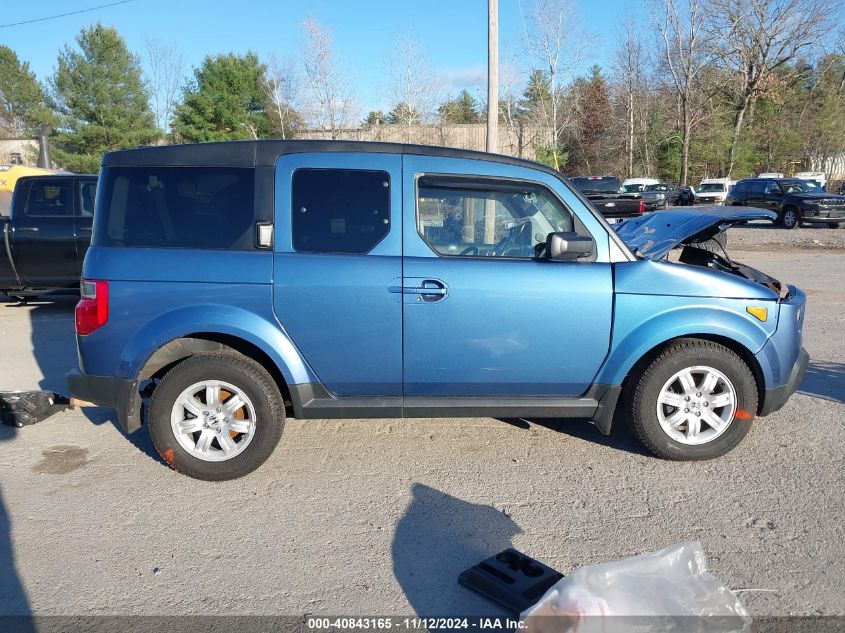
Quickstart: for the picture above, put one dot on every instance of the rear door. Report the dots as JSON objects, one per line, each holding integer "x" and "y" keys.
{"x": 338, "y": 255}
{"x": 43, "y": 236}
{"x": 482, "y": 315}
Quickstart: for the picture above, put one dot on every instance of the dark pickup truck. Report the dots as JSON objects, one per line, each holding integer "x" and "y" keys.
{"x": 795, "y": 201}
{"x": 608, "y": 197}
{"x": 46, "y": 234}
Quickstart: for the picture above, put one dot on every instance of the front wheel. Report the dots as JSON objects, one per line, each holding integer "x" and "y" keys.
{"x": 216, "y": 416}
{"x": 694, "y": 401}
{"x": 790, "y": 218}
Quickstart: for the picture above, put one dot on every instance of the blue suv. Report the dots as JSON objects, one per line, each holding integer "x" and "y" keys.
{"x": 230, "y": 285}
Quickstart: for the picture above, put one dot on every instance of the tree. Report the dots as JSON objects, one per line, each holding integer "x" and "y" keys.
{"x": 375, "y": 117}
{"x": 405, "y": 115}
{"x": 23, "y": 104}
{"x": 327, "y": 82}
{"x": 165, "y": 76}
{"x": 98, "y": 92}
{"x": 411, "y": 85}
{"x": 594, "y": 119}
{"x": 629, "y": 64}
{"x": 462, "y": 109}
{"x": 688, "y": 47}
{"x": 556, "y": 47}
{"x": 761, "y": 36}
{"x": 281, "y": 91}
{"x": 224, "y": 102}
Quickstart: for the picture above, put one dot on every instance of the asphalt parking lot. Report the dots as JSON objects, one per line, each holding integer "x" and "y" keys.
{"x": 365, "y": 517}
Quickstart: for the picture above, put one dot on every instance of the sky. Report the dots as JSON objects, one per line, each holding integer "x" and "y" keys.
{"x": 453, "y": 32}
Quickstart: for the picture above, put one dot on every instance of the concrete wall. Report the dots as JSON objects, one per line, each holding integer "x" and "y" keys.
{"x": 26, "y": 147}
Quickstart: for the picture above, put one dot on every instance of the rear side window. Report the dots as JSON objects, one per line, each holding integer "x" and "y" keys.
{"x": 740, "y": 187}
{"x": 49, "y": 198}
{"x": 176, "y": 207}
{"x": 339, "y": 210}
{"x": 758, "y": 186}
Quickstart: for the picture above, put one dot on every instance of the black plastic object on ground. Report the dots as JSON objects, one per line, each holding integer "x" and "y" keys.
{"x": 21, "y": 408}
{"x": 510, "y": 578}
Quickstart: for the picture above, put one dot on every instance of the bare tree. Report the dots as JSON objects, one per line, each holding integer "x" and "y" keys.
{"x": 760, "y": 37}
{"x": 628, "y": 66}
{"x": 281, "y": 88}
{"x": 412, "y": 88}
{"x": 511, "y": 113}
{"x": 689, "y": 47}
{"x": 331, "y": 101}
{"x": 556, "y": 46}
{"x": 165, "y": 76}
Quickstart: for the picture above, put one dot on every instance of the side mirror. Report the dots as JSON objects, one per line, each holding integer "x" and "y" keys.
{"x": 567, "y": 247}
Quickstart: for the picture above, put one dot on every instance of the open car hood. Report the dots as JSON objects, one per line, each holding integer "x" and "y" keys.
{"x": 655, "y": 234}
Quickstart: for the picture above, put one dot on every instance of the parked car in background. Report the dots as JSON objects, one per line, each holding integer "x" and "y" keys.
{"x": 642, "y": 182}
{"x": 609, "y": 197}
{"x": 229, "y": 285}
{"x": 670, "y": 194}
{"x": 47, "y": 234}
{"x": 795, "y": 201}
{"x": 713, "y": 190}
{"x": 818, "y": 177}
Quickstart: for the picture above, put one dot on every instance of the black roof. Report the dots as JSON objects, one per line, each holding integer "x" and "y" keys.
{"x": 265, "y": 153}
{"x": 793, "y": 179}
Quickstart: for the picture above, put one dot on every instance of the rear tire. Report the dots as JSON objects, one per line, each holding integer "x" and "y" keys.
{"x": 230, "y": 409}
{"x": 835, "y": 225}
{"x": 675, "y": 423}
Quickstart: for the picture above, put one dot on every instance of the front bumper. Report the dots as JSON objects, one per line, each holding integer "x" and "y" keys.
{"x": 775, "y": 398}
{"x": 119, "y": 394}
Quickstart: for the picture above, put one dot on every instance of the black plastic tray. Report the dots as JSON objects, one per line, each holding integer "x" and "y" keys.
{"x": 511, "y": 578}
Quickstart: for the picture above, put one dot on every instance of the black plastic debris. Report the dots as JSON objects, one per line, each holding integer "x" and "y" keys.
{"x": 510, "y": 578}
{"x": 22, "y": 408}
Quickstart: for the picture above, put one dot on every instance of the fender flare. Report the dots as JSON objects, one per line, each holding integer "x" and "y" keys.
{"x": 681, "y": 322}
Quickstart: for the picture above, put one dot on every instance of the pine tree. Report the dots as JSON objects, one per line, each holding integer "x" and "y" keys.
{"x": 101, "y": 99}
{"x": 462, "y": 109}
{"x": 23, "y": 104}
{"x": 224, "y": 102}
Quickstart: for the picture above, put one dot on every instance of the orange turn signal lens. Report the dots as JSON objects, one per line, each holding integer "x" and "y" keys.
{"x": 759, "y": 313}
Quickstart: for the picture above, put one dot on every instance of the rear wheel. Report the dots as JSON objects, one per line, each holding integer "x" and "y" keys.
{"x": 694, "y": 401}
{"x": 216, "y": 416}
{"x": 835, "y": 225}
{"x": 790, "y": 218}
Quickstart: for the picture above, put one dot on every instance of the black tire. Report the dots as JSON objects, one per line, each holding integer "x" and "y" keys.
{"x": 641, "y": 398}
{"x": 239, "y": 371}
{"x": 835, "y": 225}
{"x": 790, "y": 218}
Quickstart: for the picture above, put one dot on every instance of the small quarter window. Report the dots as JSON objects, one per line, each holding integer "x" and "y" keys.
{"x": 339, "y": 210}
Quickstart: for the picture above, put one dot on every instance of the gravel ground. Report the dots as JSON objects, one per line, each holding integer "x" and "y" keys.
{"x": 764, "y": 236}
{"x": 380, "y": 516}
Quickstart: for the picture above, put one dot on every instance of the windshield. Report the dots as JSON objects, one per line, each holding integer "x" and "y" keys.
{"x": 632, "y": 188}
{"x": 597, "y": 184}
{"x": 712, "y": 186}
{"x": 657, "y": 188}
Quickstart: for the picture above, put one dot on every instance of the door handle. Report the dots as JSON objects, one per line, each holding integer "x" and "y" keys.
{"x": 428, "y": 290}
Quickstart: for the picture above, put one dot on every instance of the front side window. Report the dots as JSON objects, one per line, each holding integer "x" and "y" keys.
{"x": 771, "y": 188}
{"x": 176, "y": 207}
{"x": 474, "y": 219}
{"x": 339, "y": 210}
{"x": 49, "y": 198}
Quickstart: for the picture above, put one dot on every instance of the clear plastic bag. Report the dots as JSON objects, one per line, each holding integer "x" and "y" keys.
{"x": 667, "y": 590}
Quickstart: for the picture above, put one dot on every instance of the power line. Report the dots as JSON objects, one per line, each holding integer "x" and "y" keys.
{"x": 62, "y": 15}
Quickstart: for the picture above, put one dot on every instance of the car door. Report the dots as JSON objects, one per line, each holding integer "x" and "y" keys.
{"x": 772, "y": 196}
{"x": 337, "y": 255}
{"x": 482, "y": 315}
{"x": 85, "y": 191}
{"x": 43, "y": 239}
{"x": 756, "y": 194}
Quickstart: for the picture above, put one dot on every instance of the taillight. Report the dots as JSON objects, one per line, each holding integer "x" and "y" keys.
{"x": 92, "y": 311}
{"x": 642, "y": 206}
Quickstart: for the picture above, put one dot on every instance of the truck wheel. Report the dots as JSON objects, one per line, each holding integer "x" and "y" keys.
{"x": 694, "y": 401}
{"x": 216, "y": 416}
{"x": 835, "y": 225}
{"x": 790, "y": 218}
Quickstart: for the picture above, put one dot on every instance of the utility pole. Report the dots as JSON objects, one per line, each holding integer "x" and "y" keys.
{"x": 492, "y": 75}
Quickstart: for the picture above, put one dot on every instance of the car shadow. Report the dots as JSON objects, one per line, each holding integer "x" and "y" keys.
{"x": 621, "y": 438}
{"x": 824, "y": 380}
{"x": 437, "y": 538}
{"x": 54, "y": 349}
{"x": 14, "y": 604}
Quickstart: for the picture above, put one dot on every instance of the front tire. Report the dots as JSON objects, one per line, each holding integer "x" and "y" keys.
{"x": 693, "y": 401}
{"x": 216, "y": 416}
{"x": 790, "y": 218}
